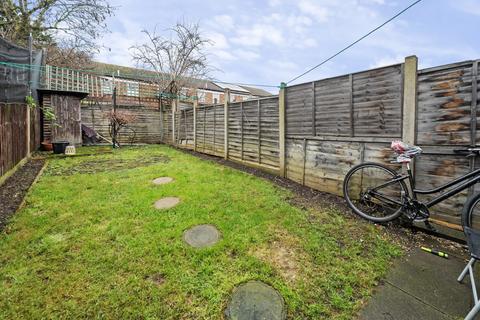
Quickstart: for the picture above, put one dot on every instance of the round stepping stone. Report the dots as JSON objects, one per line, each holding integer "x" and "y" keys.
{"x": 162, "y": 180}
{"x": 201, "y": 236}
{"x": 166, "y": 203}
{"x": 255, "y": 300}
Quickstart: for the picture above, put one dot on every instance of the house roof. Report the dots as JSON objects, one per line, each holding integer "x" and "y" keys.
{"x": 145, "y": 75}
{"x": 232, "y": 87}
{"x": 257, "y": 91}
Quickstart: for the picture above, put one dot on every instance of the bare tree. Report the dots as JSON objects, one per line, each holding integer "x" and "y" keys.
{"x": 69, "y": 53}
{"x": 118, "y": 119}
{"x": 69, "y": 25}
{"x": 178, "y": 58}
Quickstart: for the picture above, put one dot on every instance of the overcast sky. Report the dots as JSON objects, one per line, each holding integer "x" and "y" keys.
{"x": 268, "y": 42}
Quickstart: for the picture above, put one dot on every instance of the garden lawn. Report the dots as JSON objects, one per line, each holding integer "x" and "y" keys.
{"x": 90, "y": 244}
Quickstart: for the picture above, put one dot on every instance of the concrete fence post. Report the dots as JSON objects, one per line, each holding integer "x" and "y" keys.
{"x": 226, "y": 101}
{"x": 195, "y": 108}
{"x": 409, "y": 100}
{"x": 281, "y": 128}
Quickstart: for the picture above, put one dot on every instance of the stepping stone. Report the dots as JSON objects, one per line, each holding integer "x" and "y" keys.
{"x": 162, "y": 180}
{"x": 201, "y": 236}
{"x": 166, "y": 203}
{"x": 255, "y": 300}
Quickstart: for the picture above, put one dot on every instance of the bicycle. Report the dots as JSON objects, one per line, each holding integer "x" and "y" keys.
{"x": 381, "y": 194}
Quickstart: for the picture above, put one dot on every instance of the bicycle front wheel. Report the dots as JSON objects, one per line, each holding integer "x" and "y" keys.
{"x": 371, "y": 192}
{"x": 471, "y": 213}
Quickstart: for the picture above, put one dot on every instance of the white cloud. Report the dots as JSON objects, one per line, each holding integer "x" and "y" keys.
{"x": 274, "y": 3}
{"x": 246, "y": 55}
{"x": 257, "y": 35}
{"x": 219, "y": 40}
{"x": 321, "y": 13}
{"x": 467, "y": 6}
{"x": 117, "y": 44}
{"x": 386, "y": 61}
{"x": 376, "y": 1}
{"x": 224, "y": 22}
{"x": 223, "y": 55}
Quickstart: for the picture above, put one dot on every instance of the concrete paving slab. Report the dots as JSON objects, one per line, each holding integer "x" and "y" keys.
{"x": 166, "y": 203}
{"x": 162, "y": 180}
{"x": 433, "y": 280}
{"x": 201, "y": 236}
{"x": 391, "y": 303}
{"x": 255, "y": 300}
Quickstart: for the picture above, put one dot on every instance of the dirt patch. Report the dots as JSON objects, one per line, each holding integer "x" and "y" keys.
{"x": 283, "y": 256}
{"x": 14, "y": 189}
{"x": 156, "y": 278}
{"x": 104, "y": 165}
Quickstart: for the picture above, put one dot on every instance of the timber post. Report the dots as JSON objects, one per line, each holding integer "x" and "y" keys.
{"x": 281, "y": 128}
{"x": 409, "y": 100}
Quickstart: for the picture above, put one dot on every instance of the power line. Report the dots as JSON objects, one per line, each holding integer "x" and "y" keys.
{"x": 246, "y": 84}
{"x": 355, "y": 42}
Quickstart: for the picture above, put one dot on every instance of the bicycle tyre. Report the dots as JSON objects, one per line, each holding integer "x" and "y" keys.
{"x": 400, "y": 186}
{"x": 469, "y": 218}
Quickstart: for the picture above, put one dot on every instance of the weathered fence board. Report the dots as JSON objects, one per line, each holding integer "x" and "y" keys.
{"x": 366, "y": 103}
{"x": 444, "y": 105}
{"x": 13, "y": 138}
{"x": 145, "y": 129}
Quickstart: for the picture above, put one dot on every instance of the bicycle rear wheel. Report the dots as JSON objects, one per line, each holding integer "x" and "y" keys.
{"x": 372, "y": 193}
{"x": 471, "y": 212}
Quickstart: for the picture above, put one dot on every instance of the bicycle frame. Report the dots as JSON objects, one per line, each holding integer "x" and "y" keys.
{"x": 470, "y": 179}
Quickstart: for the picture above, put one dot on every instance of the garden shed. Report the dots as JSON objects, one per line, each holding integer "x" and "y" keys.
{"x": 66, "y": 107}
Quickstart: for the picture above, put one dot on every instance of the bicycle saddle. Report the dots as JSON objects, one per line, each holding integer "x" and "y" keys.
{"x": 405, "y": 153}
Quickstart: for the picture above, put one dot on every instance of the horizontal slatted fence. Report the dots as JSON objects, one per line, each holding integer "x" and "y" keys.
{"x": 334, "y": 124}
{"x": 145, "y": 129}
{"x": 447, "y": 119}
{"x": 253, "y": 130}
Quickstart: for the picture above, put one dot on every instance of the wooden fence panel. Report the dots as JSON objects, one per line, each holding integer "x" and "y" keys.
{"x": 333, "y": 107}
{"x": 13, "y": 139}
{"x": 377, "y": 102}
{"x": 444, "y": 105}
{"x": 146, "y": 128}
{"x": 235, "y": 135}
{"x": 184, "y": 123}
{"x": 219, "y": 131}
{"x": 250, "y": 131}
{"x": 268, "y": 135}
{"x": 166, "y": 127}
{"x": 362, "y": 104}
{"x": 299, "y": 109}
{"x": 447, "y": 119}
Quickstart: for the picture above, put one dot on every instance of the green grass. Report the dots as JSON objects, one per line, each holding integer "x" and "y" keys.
{"x": 87, "y": 244}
